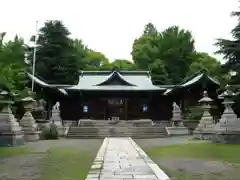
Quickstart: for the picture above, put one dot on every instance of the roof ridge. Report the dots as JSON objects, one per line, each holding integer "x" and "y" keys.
{"x": 202, "y": 71}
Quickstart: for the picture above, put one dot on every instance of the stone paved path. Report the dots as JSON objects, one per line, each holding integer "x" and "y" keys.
{"x": 122, "y": 158}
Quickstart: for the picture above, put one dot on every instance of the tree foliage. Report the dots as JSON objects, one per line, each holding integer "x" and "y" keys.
{"x": 231, "y": 50}
{"x": 173, "y": 47}
{"x": 13, "y": 72}
{"x": 169, "y": 55}
{"x": 56, "y": 60}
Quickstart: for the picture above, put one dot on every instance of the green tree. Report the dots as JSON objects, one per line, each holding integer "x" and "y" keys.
{"x": 231, "y": 50}
{"x": 13, "y": 75}
{"x": 158, "y": 73}
{"x": 211, "y": 64}
{"x": 56, "y": 59}
{"x": 203, "y": 60}
{"x": 174, "y": 47}
{"x": 150, "y": 30}
{"x": 80, "y": 51}
{"x": 122, "y": 64}
{"x": 96, "y": 60}
{"x": 145, "y": 51}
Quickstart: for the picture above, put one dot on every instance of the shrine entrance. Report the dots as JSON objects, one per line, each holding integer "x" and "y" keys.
{"x": 116, "y": 109}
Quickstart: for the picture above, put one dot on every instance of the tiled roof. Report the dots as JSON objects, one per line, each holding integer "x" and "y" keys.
{"x": 97, "y": 80}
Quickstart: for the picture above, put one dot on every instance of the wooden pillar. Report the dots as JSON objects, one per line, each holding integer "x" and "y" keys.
{"x": 126, "y": 108}
{"x": 48, "y": 109}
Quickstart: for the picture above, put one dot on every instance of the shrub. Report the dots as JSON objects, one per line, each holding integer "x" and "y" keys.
{"x": 192, "y": 115}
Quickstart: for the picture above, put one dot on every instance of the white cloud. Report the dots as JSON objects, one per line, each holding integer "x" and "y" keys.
{"x": 110, "y": 26}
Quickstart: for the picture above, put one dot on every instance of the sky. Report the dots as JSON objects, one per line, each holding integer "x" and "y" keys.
{"x": 110, "y": 26}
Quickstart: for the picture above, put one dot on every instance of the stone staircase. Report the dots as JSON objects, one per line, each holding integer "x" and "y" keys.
{"x": 102, "y": 129}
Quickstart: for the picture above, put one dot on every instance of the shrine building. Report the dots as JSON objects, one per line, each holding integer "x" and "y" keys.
{"x": 124, "y": 95}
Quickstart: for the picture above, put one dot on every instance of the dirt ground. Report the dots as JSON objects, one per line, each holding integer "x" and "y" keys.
{"x": 26, "y": 167}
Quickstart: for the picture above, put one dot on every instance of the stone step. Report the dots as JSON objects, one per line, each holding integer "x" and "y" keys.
{"x": 116, "y": 131}
{"x": 103, "y": 136}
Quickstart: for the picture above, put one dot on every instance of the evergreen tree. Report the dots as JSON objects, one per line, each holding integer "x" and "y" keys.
{"x": 56, "y": 60}
{"x": 231, "y": 50}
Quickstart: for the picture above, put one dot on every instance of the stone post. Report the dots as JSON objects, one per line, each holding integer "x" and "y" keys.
{"x": 204, "y": 128}
{"x": 28, "y": 122}
{"x": 11, "y": 133}
{"x": 177, "y": 117}
{"x": 227, "y": 130}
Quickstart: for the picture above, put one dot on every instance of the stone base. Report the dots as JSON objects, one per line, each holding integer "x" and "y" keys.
{"x": 61, "y": 131}
{"x": 29, "y": 137}
{"x": 177, "y": 131}
{"x": 11, "y": 140}
{"x": 202, "y": 135}
{"x": 226, "y": 138}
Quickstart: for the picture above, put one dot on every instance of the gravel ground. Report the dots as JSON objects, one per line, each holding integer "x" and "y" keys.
{"x": 26, "y": 167}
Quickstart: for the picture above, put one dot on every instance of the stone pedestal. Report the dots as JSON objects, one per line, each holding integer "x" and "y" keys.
{"x": 27, "y": 122}
{"x": 11, "y": 133}
{"x": 205, "y": 126}
{"x": 227, "y": 130}
{"x": 177, "y": 123}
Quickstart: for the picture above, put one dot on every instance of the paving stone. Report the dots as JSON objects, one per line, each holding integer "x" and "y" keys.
{"x": 123, "y": 159}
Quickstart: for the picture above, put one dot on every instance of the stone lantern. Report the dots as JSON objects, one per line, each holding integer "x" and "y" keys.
{"x": 28, "y": 122}
{"x": 227, "y": 130}
{"x": 11, "y": 133}
{"x": 204, "y": 128}
{"x": 228, "y": 114}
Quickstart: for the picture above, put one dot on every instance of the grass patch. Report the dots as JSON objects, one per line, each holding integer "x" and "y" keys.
{"x": 12, "y": 151}
{"x": 182, "y": 175}
{"x": 224, "y": 152}
{"x": 207, "y": 151}
{"x": 67, "y": 164}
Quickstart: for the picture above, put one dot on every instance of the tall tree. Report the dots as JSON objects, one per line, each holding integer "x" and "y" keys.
{"x": 176, "y": 47}
{"x": 150, "y": 30}
{"x": 12, "y": 75}
{"x": 56, "y": 59}
{"x": 158, "y": 73}
{"x": 173, "y": 47}
{"x": 122, "y": 64}
{"x": 145, "y": 51}
{"x": 231, "y": 50}
{"x": 212, "y": 65}
{"x": 81, "y": 52}
{"x": 96, "y": 60}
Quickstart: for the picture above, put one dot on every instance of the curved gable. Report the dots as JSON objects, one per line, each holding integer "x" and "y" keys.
{"x": 115, "y": 78}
